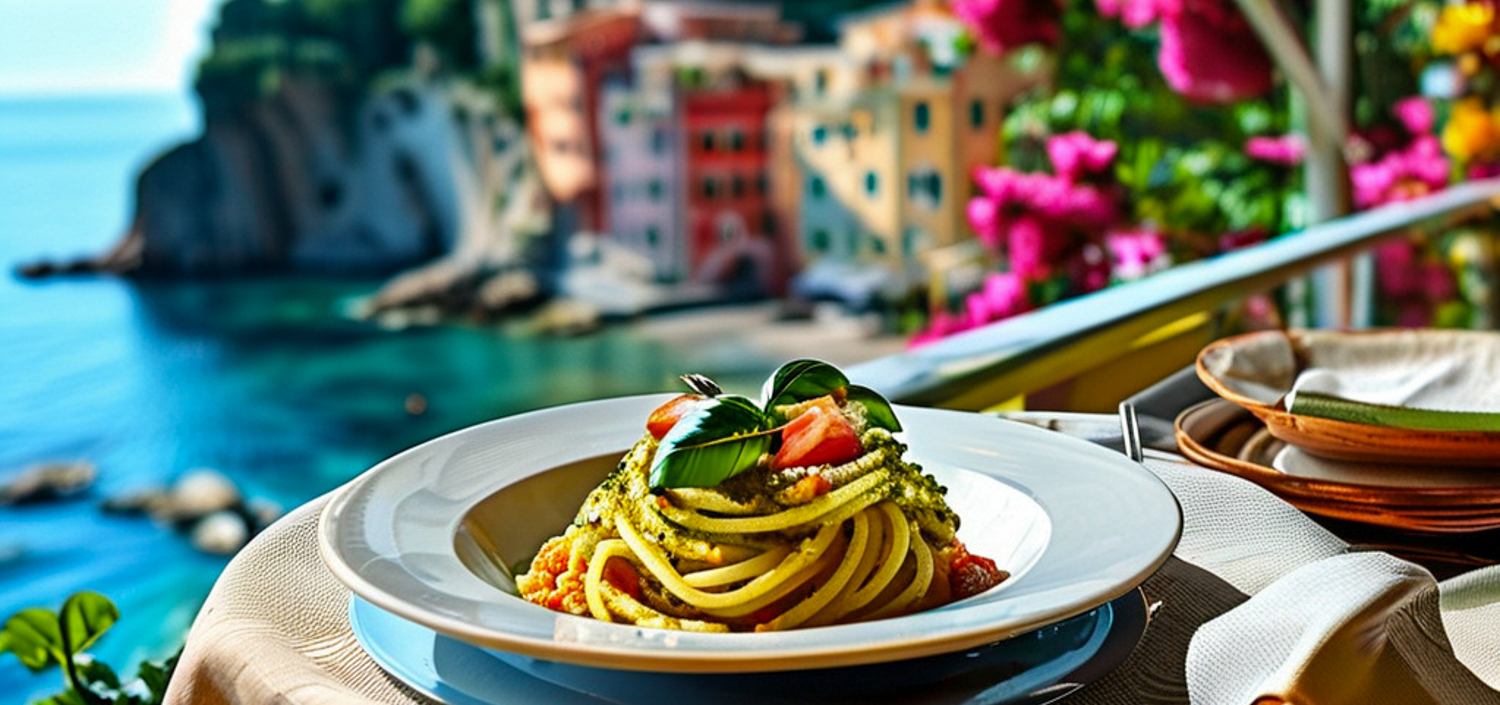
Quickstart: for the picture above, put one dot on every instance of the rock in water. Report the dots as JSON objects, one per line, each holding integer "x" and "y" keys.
{"x": 202, "y": 492}
{"x": 49, "y": 482}
{"x": 220, "y": 533}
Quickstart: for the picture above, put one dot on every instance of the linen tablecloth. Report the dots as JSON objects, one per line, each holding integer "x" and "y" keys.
{"x": 1258, "y": 605}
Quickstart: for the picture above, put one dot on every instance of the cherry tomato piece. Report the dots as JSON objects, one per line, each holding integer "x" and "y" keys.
{"x": 821, "y": 435}
{"x": 667, "y": 415}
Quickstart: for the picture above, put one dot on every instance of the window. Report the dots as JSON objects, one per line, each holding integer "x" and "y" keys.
{"x": 706, "y": 140}
{"x": 921, "y": 116}
{"x": 622, "y": 116}
{"x": 935, "y": 188}
{"x": 820, "y": 82}
{"x": 654, "y": 188}
{"x": 737, "y": 186}
{"x": 767, "y": 222}
{"x": 818, "y": 241}
{"x": 762, "y": 184}
{"x": 815, "y": 186}
{"x": 653, "y": 236}
{"x": 710, "y": 187}
{"x": 924, "y": 187}
{"x": 659, "y": 140}
{"x": 736, "y": 141}
{"x": 976, "y": 114}
{"x": 877, "y": 245}
{"x": 911, "y": 239}
{"x": 872, "y": 183}
{"x": 819, "y": 135}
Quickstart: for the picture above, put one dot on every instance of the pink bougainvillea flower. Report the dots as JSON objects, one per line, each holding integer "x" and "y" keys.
{"x": 943, "y": 324}
{"x": 984, "y": 216}
{"x": 1238, "y": 239}
{"x": 1396, "y": 267}
{"x": 1089, "y": 271}
{"x": 1414, "y": 171}
{"x": 1415, "y": 114}
{"x": 1075, "y": 154}
{"x": 1134, "y": 14}
{"x": 1136, "y": 252}
{"x": 1002, "y": 25}
{"x": 1212, "y": 62}
{"x": 1286, "y": 150}
{"x": 1438, "y": 283}
{"x": 1003, "y": 295}
{"x": 1030, "y": 243}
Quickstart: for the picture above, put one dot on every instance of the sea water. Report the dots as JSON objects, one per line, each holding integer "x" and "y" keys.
{"x": 261, "y": 379}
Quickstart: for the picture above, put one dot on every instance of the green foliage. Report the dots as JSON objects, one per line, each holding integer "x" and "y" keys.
{"x": 447, "y": 25}
{"x": 1181, "y": 164}
{"x": 41, "y": 639}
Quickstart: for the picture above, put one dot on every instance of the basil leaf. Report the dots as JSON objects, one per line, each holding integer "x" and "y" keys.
{"x": 800, "y": 380}
{"x": 720, "y": 439}
{"x": 85, "y": 618}
{"x": 34, "y": 636}
{"x": 878, "y": 411}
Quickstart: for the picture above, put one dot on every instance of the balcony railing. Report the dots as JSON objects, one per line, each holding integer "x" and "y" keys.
{"x": 985, "y": 367}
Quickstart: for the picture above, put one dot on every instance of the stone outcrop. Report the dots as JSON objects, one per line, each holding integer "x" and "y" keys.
{"x": 48, "y": 482}
{"x": 423, "y": 174}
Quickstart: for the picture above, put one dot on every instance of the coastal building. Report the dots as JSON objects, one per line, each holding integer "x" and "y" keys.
{"x": 566, "y": 62}
{"x": 697, "y": 138}
{"x": 886, "y": 167}
{"x": 642, "y": 165}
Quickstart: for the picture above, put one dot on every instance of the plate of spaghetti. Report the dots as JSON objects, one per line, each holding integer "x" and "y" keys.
{"x": 816, "y": 526}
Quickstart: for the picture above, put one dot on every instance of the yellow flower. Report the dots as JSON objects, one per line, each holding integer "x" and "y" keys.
{"x": 1472, "y": 132}
{"x": 1462, "y": 28}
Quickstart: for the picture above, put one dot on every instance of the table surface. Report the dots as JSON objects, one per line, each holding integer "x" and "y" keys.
{"x": 276, "y": 626}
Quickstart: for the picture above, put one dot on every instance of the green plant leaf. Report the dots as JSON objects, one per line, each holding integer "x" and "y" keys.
{"x": 67, "y": 697}
{"x": 35, "y": 637}
{"x": 156, "y": 674}
{"x": 717, "y": 441}
{"x": 85, "y": 618}
{"x": 96, "y": 675}
{"x": 878, "y": 411}
{"x": 800, "y": 380}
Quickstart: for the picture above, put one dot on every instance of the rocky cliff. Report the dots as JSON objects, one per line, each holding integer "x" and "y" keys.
{"x": 424, "y": 174}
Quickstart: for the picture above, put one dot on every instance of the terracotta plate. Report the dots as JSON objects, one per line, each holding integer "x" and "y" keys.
{"x": 1222, "y": 436}
{"x": 1262, "y": 353}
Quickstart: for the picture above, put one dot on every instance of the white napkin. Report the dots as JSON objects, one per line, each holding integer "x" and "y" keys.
{"x": 1437, "y": 370}
{"x": 1324, "y": 626}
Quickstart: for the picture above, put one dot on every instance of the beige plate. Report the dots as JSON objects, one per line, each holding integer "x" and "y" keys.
{"x": 1344, "y": 440}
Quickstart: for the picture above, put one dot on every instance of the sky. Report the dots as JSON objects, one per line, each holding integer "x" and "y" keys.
{"x": 52, "y": 47}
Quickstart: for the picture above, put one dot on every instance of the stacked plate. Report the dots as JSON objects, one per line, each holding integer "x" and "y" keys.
{"x": 426, "y": 539}
{"x": 1378, "y": 435}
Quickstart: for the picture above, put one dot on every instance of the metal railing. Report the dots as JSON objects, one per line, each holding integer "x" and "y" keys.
{"x": 981, "y": 368}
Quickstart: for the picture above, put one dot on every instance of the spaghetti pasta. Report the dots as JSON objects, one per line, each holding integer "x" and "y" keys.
{"x": 864, "y": 535}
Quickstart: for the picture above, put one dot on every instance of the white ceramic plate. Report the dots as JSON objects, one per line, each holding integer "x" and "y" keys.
{"x": 427, "y": 535}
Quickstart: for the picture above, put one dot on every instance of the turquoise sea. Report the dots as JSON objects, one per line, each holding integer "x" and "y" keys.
{"x": 260, "y": 379}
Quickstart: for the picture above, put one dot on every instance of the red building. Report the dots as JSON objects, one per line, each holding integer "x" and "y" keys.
{"x": 729, "y": 221}
{"x": 566, "y": 61}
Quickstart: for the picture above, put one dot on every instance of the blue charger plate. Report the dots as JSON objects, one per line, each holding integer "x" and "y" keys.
{"x": 1032, "y": 668}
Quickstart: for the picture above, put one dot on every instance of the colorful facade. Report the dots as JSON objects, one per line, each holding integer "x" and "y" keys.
{"x": 694, "y": 137}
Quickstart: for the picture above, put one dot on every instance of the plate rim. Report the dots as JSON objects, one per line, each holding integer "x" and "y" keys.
{"x": 1136, "y": 616}
{"x": 689, "y": 652}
